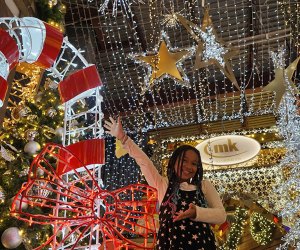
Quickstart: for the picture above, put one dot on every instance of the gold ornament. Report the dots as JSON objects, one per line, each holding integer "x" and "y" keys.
{"x": 31, "y": 134}
{"x": 51, "y": 112}
{"x": 210, "y": 50}
{"x": 6, "y": 154}
{"x": 32, "y": 147}
{"x": 38, "y": 97}
{"x": 165, "y": 63}
{"x": 278, "y": 85}
{"x": 49, "y": 84}
{"x": 119, "y": 149}
{"x": 19, "y": 111}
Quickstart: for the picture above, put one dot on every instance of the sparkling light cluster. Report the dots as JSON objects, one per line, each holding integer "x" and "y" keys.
{"x": 261, "y": 228}
{"x": 170, "y": 19}
{"x": 124, "y": 5}
{"x": 213, "y": 49}
{"x": 278, "y": 58}
{"x": 289, "y": 124}
{"x": 251, "y": 183}
{"x": 236, "y": 230}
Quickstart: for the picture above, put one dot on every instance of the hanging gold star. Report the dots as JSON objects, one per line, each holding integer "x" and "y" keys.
{"x": 165, "y": 64}
{"x": 210, "y": 49}
{"x": 278, "y": 85}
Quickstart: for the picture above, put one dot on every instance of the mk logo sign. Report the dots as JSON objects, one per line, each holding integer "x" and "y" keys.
{"x": 228, "y": 149}
{"x": 221, "y": 148}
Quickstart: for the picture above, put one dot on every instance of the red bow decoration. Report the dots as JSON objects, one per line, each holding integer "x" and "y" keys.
{"x": 81, "y": 213}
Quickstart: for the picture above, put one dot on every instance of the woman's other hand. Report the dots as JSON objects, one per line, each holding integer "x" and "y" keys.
{"x": 189, "y": 213}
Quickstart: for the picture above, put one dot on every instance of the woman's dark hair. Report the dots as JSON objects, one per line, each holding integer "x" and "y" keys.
{"x": 174, "y": 179}
{"x": 179, "y": 154}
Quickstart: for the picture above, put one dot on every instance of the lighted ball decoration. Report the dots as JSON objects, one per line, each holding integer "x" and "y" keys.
{"x": 11, "y": 238}
{"x": 51, "y": 112}
{"x": 32, "y": 147}
{"x": 59, "y": 131}
{"x": 16, "y": 201}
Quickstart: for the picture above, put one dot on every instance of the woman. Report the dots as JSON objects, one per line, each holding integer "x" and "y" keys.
{"x": 188, "y": 204}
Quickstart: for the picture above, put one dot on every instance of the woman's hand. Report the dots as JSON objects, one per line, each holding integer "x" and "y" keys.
{"x": 189, "y": 213}
{"x": 115, "y": 128}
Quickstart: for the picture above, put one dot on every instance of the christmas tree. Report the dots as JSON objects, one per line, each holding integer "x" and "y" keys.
{"x": 289, "y": 124}
{"x": 33, "y": 118}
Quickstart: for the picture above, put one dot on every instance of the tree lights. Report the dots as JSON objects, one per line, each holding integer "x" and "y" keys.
{"x": 261, "y": 229}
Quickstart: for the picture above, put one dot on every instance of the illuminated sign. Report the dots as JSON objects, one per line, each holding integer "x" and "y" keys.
{"x": 228, "y": 149}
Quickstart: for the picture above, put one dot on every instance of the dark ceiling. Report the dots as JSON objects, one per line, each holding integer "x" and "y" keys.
{"x": 251, "y": 28}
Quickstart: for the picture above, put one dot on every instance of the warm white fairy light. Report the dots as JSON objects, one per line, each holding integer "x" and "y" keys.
{"x": 212, "y": 48}
{"x": 278, "y": 58}
{"x": 117, "y": 5}
{"x": 170, "y": 19}
{"x": 256, "y": 182}
{"x": 230, "y": 21}
{"x": 261, "y": 228}
{"x": 182, "y": 138}
{"x": 236, "y": 229}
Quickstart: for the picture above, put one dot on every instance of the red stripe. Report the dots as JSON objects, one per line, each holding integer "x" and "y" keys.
{"x": 9, "y": 48}
{"x": 88, "y": 152}
{"x": 51, "y": 48}
{"x": 3, "y": 88}
{"x": 79, "y": 82}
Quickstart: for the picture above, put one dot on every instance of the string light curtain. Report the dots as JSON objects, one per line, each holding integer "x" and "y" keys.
{"x": 123, "y": 28}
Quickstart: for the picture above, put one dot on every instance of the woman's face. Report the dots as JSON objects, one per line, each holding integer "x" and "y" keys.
{"x": 189, "y": 166}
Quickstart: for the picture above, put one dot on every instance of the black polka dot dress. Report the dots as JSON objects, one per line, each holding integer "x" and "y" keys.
{"x": 184, "y": 234}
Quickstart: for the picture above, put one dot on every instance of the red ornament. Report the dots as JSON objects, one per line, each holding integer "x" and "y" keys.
{"x": 76, "y": 205}
{"x": 275, "y": 219}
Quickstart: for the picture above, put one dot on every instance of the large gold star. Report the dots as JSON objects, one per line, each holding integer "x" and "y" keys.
{"x": 210, "y": 49}
{"x": 278, "y": 85}
{"x": 165, "y": 64}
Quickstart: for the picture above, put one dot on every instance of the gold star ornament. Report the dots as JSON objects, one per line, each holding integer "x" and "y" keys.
{"x": 278, "y": 85}
{"x": 166, "y": 62}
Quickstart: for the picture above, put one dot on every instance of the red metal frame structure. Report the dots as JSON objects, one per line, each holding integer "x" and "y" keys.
{"x": 77, "y": 205}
